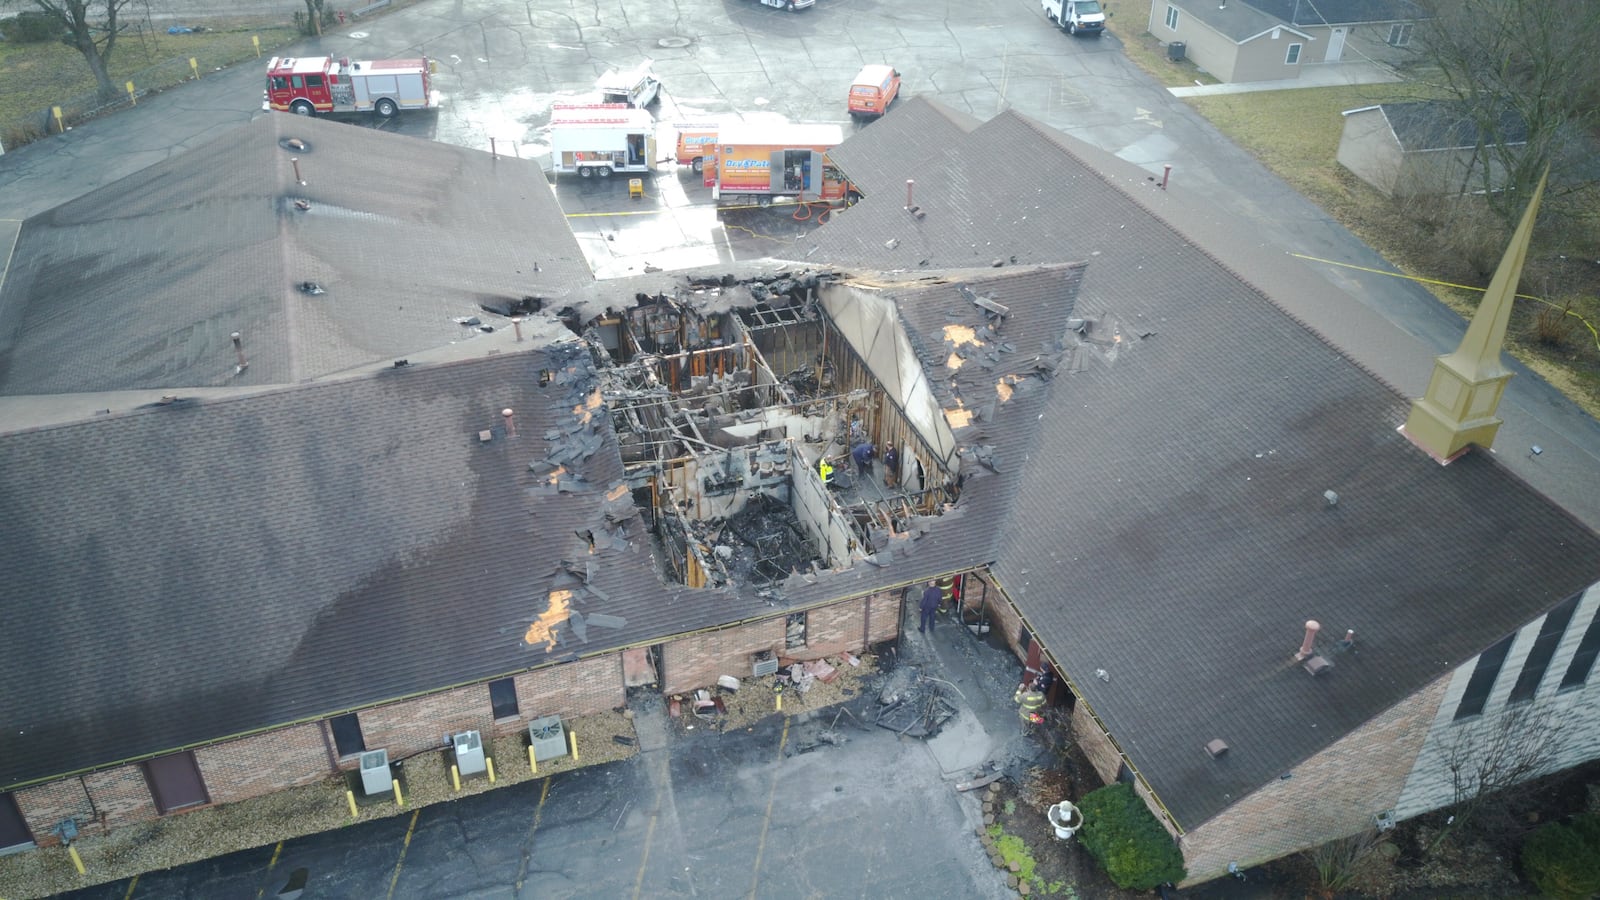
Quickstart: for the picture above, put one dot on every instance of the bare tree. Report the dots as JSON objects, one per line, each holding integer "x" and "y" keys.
{"x": 1519, "y": 744}
{"x": 1518, "y": 66}
{"x": 91, "y": 28}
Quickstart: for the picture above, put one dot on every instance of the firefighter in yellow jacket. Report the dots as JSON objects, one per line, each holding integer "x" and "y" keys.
{"x": 1030, "y": 702}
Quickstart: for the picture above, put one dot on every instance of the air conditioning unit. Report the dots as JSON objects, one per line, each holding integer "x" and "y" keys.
{"x": 763, "y": 663}
{"x": 548, "y": 738}
{"x": 375, "y": 777}
{"x": 469, "y": 752}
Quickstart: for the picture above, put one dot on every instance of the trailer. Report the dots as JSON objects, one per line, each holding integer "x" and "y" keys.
{"x": 322, "y": 85}
{"x": 767, "y": 163}
{"x": 601, "y": 139}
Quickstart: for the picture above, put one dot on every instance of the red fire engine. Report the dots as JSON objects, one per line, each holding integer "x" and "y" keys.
{"x": 321, "y": 84}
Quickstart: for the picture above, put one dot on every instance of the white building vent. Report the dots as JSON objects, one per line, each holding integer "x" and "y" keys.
{"x": 375, "y": 777}
{"x": 763, "y": 663}
{"x": 547, "y": 737}
{"x": 469, "y": 752}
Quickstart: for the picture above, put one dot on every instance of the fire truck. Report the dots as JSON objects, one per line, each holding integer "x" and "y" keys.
{"x": 319, "y": 85}
{"x": 764, "y": 163}
{"x": 598, "y": 139}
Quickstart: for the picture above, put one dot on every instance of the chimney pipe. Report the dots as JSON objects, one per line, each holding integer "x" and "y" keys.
{"x": 1166, "y": 172}
{"x": 511, "y": 422}
{"x": 492, "y": 153}
{"x": 1312, "y": 627}
{"x": 295, "y": 161}
{"x": 1349, "y": 639}
{"x": 238, "y": 349}
{"x": 516, "y": 325}
{"x": 910, "y": 183}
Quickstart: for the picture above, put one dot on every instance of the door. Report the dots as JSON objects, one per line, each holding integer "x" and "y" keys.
{"x": 175, "y": 782}
{"x": 13, "y": 827}
{"x": 1335, "y": 45}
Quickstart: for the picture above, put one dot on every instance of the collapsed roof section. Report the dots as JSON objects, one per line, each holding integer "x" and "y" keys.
{"x": 739, "y": 404}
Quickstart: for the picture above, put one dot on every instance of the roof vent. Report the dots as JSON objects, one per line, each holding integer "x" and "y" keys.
{"x": 1216, "y": 748}
{"x": 1316, "y": 665}
{"x": 1332, "y": 497}
{"x": 485, "y": 436}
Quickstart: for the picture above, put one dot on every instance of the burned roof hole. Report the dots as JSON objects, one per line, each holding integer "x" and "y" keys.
{"x": 508, "y": 306}
{"x": 569, "y": 318}
{"x": 295, "y": 145}
{"x": 310, "y": 287}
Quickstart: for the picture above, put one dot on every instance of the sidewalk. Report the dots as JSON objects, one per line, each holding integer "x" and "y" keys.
{"x": 1311, "y": 76}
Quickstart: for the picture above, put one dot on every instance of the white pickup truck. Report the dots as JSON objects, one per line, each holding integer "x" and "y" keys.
{"x": 790, "y": 5}
{"x": 1076, "y": 16}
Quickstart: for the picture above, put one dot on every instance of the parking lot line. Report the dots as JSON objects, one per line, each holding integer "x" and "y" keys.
{"x": 403, "y": 848}
{"x": 271, "y": 864}
{"x": 527, "y": 843}
{"x": 766, "y": 822}
{"x": 644, "y": 858}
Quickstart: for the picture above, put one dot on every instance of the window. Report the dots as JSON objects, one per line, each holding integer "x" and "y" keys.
{"x": 298, "y": 82}
{"x": 314, "y": 81}
{"x": 1583, "y": 660}
{"x": 347, "y": 735}
{"x": 1544, "y": 647}
{"x": 794, "y": 634}
{"x": 1482, "y": 680}
{"x": 280, "y": 83}
{"x": 175, "y": 782}
{"x": 1293, "y": 55}
{"x": 1400, "y": 35}
{"x": 13, "y": 827}
{"x": 1172, "y": 17}
{"x": 503, "y": 697}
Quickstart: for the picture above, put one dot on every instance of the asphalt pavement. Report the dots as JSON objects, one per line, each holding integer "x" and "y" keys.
{"x": 772, "y": 811}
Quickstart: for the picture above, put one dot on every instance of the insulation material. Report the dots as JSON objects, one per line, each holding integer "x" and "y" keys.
{"x": 871, "y": 324}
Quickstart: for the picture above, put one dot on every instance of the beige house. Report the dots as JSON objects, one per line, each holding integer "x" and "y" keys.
{"x": 1272, "y": 40}
{"x": 1425, "y": 147}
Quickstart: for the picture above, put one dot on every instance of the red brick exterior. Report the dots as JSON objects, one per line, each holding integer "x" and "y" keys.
{"x": 252, "y": 766}
{"x": 696, "y": 661}
{"x": 580, "y": 688}
{"x": 48, "y": 804}
{"x": 121, "y": 795}
{"x": 883, "y": 617}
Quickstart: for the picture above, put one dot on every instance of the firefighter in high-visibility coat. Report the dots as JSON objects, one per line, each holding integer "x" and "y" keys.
{"x": 1030, "y": 702}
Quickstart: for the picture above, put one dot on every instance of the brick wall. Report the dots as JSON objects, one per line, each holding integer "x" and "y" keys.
{"x": 883, "y": 624}
{"x": 258, "y": 765}
{"x": 45, "y": 806}
{"x": 580, "y": 688}
{"x": 412, "y": 726}
{"x": 1099, "y": 750}
{"x": 121, "y": 795}
{"x": 1331, "y": 795}
{"x": 696, "y": 661}
{"x": 1003, "y": 617}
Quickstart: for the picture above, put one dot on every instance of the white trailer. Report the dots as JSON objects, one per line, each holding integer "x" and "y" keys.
{"x": 601, "y": 139}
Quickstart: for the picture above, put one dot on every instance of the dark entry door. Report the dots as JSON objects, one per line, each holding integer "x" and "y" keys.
{"x": 175, "y": 782}
{"x": 13, "y": 828}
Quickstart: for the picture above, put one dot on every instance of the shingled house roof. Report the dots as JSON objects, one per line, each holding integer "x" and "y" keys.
{"x": 1444, "y": 125}
{"x": 336, "y": 544}
{"x": 1244, "y": 20}
{"x": 140, "y": 283}
{"x": 1170, "y": 525}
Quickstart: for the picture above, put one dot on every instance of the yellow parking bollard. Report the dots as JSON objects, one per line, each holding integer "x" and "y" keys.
{"x": 399, "y": 798}
{"x": 60, "y": 126}
{"x": 777, "y": 694}
{"x": 455, "y": 775}
{"x": 194, "y": 66}
{"x": 533, "y": 761}
{"x": 133, "y": 98}
{"x": 350, "y": 798}
{"x": 572, "y": 742}
{"x": 256, "y": 40}
{"x": 489, "y": 761}
{"x": 76, "y": 859}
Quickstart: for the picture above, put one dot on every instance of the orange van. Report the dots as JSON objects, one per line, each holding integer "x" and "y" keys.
{"x": 873, "y": 89}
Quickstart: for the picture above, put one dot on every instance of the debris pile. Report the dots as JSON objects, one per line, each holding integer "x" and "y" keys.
{"x": 913, "y": 704}
{"x": 762, "y": 543}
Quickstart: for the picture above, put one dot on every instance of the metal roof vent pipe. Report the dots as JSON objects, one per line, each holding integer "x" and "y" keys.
{"x": 238, "y": 350}
{"x": 1312, "y": 627}
{"x": 511, "y": 421}
{"x": 911, "y": 184}
{"x": 295, "y": 161}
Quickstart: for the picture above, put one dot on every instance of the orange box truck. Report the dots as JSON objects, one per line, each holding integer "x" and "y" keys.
{"x": 766, "y": 163}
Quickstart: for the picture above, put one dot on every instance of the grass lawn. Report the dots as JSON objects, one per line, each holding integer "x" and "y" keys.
{"x": 1295, "y": 133}
{"x": 39, "y": 76}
